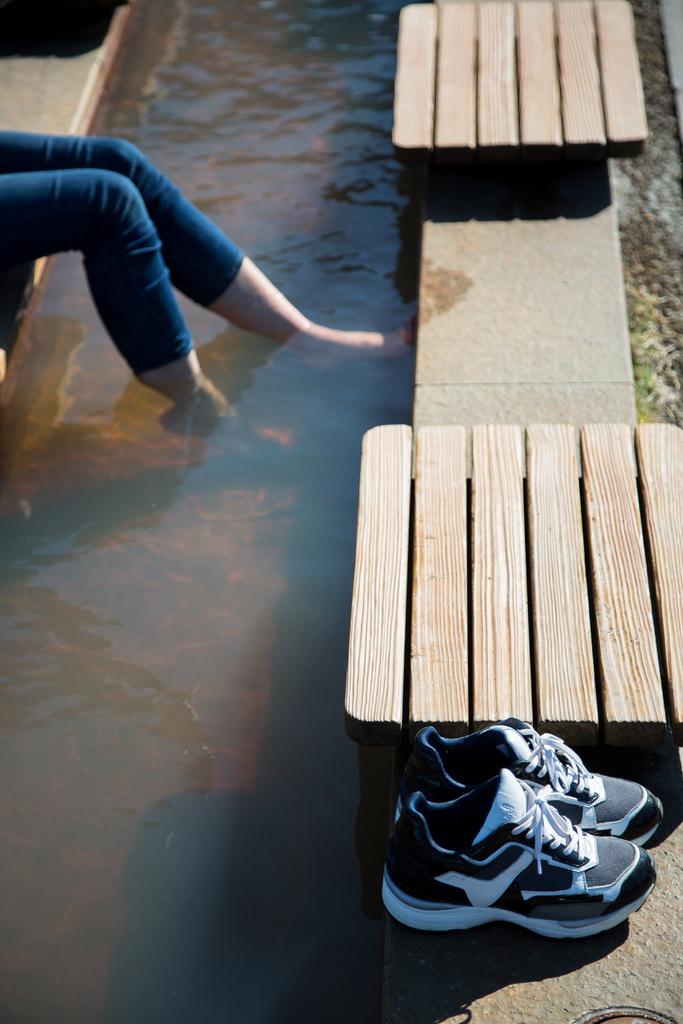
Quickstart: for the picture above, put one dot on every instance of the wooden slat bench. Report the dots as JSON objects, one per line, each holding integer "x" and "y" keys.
{"x": 542, "y": 577}
{"x": 497, "y": 80}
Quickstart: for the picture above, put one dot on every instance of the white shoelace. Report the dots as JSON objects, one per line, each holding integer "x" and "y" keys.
{"x": 545, "y": 824}
{"x": 550, "y": 756}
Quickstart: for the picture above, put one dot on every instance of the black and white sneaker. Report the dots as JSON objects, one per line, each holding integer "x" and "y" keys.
{"x": 444, "y": 769}
{"x": 503, "y": 852}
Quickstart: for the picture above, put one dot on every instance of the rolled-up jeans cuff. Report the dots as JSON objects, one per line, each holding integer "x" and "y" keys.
{"x": 170, "y": 354}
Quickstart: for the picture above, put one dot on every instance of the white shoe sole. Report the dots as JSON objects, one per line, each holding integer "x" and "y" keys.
{"x": 437, "y": 917}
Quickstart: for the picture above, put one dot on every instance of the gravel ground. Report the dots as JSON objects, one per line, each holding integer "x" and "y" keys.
{"x": 649, "y": 197}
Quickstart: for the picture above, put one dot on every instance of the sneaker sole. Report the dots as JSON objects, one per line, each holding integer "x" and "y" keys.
{"x": 437, "y": 917}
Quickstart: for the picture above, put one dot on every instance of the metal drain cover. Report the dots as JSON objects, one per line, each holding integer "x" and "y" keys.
{"x": 624, "y": 1015}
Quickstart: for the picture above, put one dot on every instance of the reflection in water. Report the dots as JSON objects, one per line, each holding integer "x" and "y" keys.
{"x": 179, "y": 838}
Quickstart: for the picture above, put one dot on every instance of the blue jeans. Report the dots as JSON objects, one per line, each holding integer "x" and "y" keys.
{"x": 137, "y": 233}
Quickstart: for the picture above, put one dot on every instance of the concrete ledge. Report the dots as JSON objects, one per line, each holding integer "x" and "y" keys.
{"x": 478, "y": 402}
{"x": 53, "y": 87}
{"x": 43, "y": 83}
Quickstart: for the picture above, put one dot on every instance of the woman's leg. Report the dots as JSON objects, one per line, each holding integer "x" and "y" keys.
{"x": 201, "y": 260}
{"x": 253, "y": 302}
{"x": 203, "y": 263}
{"x": 102, "y": 214}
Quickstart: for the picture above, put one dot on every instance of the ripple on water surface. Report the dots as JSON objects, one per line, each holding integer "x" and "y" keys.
{"x": 180, "y": 801}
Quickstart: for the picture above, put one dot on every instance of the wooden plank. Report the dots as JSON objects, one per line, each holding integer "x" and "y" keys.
{"x": 660, "y": 459}
{"x": 498, "y": 128}
{"x": 539, "y": 87}
{"x": 455, "y": 129}
{"x": 630, "y": 680}
{"x": 500, "y": 626}
{"x": 622, "y": 87}
{"x": 374, "y": 682}
{"x": 583, "y": 123}
{"x": 415, "y": 82}
{"x": 566, "y": 699}
{"x": 439, "y": 681}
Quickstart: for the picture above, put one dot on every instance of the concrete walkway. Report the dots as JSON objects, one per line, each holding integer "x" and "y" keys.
{"x": 522, "y": 319}
{"x": 522, "y": 315}
{"x": 47, "y": 80}
{"x": 43, "y": 78}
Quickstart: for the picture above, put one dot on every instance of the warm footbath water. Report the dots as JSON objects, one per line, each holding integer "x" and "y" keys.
{"x": 183, "y": 838}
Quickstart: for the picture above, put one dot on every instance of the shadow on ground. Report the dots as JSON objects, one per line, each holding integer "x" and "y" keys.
{"x": 29, "y": 32}
{"x": 518, "y": 192}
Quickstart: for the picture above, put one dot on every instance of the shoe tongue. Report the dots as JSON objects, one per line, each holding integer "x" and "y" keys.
{"x": 509, "y": 804}
{"x": 513, "y": 739}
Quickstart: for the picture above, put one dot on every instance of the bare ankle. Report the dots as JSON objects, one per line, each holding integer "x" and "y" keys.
{"x": 177, "y": 380}
{"x": 184, "y": 382}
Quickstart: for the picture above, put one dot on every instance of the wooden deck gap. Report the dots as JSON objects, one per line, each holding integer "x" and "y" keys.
{"x": 515, "y": 75}
{"x": 435, "y": 87}
{"x": 597, "y": 670}
{"x": 601, "y": 69}
{"x": 659, "y": 632}
{"x": 558, "y": 71}
{"x": 470, "y": 612}
{"x": 435, "y": 122}
{"x": 407, "y": 679}
{"x": 530, "y": 597}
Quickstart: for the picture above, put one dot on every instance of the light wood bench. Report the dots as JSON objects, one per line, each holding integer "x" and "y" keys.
{"x": 531, "y": 572}
{"x": 497, "y": 80}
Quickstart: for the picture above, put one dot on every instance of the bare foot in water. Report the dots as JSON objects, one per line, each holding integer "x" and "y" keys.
{"x": 316, "y": 340}
{"x": 254, "y": 304}
{"x": 188, "y": 387}
{"x": 199, "y": 412}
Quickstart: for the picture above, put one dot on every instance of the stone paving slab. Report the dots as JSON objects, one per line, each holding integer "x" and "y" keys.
{"x": 521, "y": 279}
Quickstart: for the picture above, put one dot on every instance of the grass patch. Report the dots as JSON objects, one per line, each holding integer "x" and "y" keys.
{"x": 656, "y": 381}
